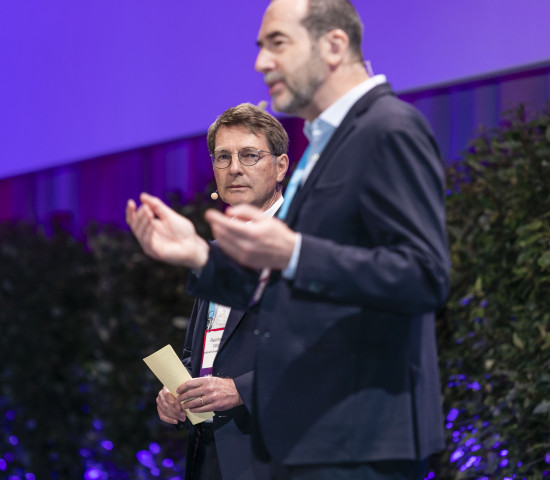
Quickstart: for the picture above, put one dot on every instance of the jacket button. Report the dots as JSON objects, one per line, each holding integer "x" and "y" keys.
{"x": 267, "y": 334}
{"x": 315, "y": 287}
{"x": 256, "y": 332}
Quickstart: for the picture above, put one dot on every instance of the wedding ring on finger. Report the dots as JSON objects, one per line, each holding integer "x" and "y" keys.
{"x": 202, "y": 401}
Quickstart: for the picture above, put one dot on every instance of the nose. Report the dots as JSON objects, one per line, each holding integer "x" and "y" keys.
{"x": 235, "y": 167}
{"x": 264, "y": 61}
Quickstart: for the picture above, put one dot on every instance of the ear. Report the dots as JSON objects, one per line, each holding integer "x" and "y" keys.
{"x": 282, "y": 167}
{"x": 334, "y": 46}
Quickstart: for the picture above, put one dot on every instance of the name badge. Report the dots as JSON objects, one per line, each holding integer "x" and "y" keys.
{"x": 212, "y": 340}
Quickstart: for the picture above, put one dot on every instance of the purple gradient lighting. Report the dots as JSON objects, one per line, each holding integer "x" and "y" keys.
{"x": 471, "y": 461}
{"x": 107, "y": 445}
{"x": 154, "y": 448}
{"x": 127, "y": 89}
{"x": 98, "y": 425}
{"x": 145, "y": 458}
{"x": 93, "y": 474}
{"x": 457, "y": 454}
{"x": 85, "y": 453}
{"x": 452, "y": 415}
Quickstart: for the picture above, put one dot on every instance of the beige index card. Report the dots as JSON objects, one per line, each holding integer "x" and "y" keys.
{"x": 167, "y": 367}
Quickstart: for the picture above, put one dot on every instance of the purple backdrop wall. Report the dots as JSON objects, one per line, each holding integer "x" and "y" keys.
{"x": 97, "y": 189}
{"x": 80, "y": 80}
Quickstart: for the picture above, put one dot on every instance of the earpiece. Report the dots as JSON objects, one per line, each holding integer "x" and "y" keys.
{"x": 214, "y": 195}
{"x": 368, "y": 67}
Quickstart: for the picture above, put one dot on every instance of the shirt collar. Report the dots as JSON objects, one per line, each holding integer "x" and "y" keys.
{"x": 334, "y": 114}
{"x": 270, "y": 212}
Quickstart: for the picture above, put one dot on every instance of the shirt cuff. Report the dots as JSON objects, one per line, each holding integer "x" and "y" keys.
{"x": 290, "y": 271}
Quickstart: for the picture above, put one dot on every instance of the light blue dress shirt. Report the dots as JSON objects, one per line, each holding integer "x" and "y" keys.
{"x": 319, "y": 132}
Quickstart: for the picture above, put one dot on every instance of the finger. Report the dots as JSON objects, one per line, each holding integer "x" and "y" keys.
{"x": 245, "y": 212}
{"x": 214, "y": 217}
{"x": 191, "y": 384}
{"x": 159, "y": 208}
{"x": 134, "y": 217}
{"x": 130, "y": 211}
{"x": 144, "y": 216}
{"x": 165, "y": 412}
{"x": 189, "y": 396}
{"x": 172, "y": 417}
{"x": 199, "y": 405}
{"x": 170, "y": 401}
{"x": 165, "y": 418}
{"x": 226, "y": 227}
{"x": 168, "y": 404}
{"x": 169, "y": 409}
{"x": 143, "y": 225}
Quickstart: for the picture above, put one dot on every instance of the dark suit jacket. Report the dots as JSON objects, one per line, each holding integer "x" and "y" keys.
{"x": 346, "y": 369}
{"x": 235, "y": 359}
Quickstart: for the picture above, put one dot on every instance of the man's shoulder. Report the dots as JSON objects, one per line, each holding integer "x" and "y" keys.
{"x": 389, "y": 113}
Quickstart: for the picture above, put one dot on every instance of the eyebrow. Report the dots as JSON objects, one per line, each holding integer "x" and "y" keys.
{"x": 271, "y": 36}
{"x": 225, "y": 149}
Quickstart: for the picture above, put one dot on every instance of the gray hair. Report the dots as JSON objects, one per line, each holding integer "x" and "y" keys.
{"x": 256, "y": 121}
{"x": 326, "y": 15}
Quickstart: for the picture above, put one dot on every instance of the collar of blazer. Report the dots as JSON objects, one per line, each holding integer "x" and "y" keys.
{"x": 347, "y": 125}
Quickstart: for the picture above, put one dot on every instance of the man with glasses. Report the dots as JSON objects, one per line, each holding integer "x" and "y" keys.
{"x": 248, "y": 151}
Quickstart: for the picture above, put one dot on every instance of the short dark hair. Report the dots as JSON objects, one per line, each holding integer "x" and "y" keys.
{"x": 326, "y": 15}
{"x": 256, "y": 121}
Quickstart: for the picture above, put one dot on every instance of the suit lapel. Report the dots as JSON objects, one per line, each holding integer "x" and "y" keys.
{"x": 345, "y": 128}
{"x": 235, "y": 317}
{"x": 198, "y": 338}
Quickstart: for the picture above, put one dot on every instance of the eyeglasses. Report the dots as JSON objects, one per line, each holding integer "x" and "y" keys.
{"x": 247, "y": 157}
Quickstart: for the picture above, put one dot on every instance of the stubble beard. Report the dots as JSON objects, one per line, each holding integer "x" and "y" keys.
{"x": 302, "y": 86}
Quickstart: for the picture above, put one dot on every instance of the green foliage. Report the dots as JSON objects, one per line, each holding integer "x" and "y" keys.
{"x": 76, "y": 321}
{"x": 494, "y": 334}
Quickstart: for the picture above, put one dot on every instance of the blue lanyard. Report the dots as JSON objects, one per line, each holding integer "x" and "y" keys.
{"x": 211, "y": 313}
{"x": 293, "y": 184}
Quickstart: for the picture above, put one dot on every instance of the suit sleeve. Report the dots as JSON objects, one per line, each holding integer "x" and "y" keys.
{"x": 243, "y": 383}
{"x": 223, "y": 281}
{"x": 403, "y": 264}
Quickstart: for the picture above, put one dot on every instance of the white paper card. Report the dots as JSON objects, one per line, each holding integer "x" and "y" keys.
{"x": 167, "y": 367}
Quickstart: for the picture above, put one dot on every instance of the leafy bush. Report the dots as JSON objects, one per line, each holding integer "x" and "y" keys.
{"x": 494, "y": 334}
{"x": 76, "y": 399}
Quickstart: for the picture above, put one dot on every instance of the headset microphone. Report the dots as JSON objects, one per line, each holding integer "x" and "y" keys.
{"x": 214, "y": 195}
